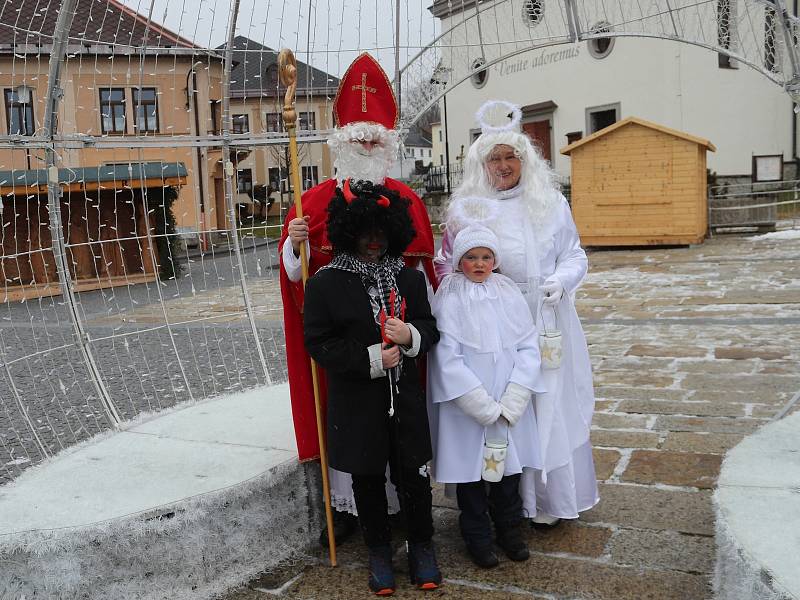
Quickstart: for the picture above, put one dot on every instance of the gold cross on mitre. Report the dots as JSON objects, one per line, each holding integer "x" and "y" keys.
{"x": 364, "y": 89}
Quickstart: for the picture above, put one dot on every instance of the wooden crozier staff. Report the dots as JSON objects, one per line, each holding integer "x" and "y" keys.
{"x": 288, "y": 76}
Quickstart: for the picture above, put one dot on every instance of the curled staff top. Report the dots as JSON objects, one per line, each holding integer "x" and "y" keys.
{"x": 288, "y": 76}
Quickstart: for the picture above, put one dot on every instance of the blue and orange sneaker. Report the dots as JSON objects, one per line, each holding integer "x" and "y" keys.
{"x": 422, "y": 567}
{"x": 381, "y": 574}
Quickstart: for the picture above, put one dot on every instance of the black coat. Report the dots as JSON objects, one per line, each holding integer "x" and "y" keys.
{"x": 339, "y": 327}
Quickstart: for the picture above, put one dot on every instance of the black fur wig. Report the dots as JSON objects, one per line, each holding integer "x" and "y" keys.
{"x": 368, "y": 210}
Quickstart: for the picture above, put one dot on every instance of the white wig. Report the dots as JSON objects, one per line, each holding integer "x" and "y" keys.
{"x": 537, "y": 180}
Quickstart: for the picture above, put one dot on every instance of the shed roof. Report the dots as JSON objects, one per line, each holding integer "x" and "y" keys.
{"x": 132, "y": 175}
{"x": 643, "y": 123}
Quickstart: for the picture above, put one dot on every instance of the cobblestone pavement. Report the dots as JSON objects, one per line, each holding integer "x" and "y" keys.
{"x": 207, "y": 350}
{"x": 693, "y": 348}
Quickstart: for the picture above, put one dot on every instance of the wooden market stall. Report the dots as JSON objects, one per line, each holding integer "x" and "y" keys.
{"x": 108, "y": 233}
{"x": 638, "y": 183}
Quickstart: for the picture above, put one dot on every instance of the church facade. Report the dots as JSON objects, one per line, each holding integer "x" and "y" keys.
{"x": 569, "y": 91}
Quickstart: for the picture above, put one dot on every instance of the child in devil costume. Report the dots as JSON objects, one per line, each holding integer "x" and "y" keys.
{"x": 367, "y": 320}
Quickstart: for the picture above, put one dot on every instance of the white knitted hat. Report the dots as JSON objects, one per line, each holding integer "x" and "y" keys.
{"x": 475, "y": 236}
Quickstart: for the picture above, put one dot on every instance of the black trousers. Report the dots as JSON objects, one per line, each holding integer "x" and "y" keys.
{"x": 503, "y": 503}
{"x": 413, "y": 491}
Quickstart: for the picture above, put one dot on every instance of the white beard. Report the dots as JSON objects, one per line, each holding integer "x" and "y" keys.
{"x": 355, "y": 162}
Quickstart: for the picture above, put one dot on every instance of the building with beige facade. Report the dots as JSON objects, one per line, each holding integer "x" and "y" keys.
{"x": 134, "y": 96}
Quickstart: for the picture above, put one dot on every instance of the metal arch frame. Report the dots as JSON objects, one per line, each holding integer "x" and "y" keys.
{"x": 50, "y": 140}
{"x": 576, "y": 34}
{"x": 54, "y": 193}
{"x": 228, "y": 174}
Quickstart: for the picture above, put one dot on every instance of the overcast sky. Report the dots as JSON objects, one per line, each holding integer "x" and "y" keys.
{"x": 339, "y": 29}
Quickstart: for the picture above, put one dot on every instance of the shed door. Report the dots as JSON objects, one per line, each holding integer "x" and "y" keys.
{"x": 539, "y": 132}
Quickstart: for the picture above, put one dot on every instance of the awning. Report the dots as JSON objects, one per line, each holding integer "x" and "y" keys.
{"x": 106, "y": 177}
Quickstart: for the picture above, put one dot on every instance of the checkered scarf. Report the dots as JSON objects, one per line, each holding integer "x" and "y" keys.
{"x": 380, "y": 274}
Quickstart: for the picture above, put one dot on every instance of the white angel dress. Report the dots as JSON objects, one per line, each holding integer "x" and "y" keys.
{"x": 487, "y": 338}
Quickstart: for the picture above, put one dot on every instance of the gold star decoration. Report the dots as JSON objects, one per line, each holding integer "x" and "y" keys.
{"x": 491, "y": 463}
{"x": 551, "y": 354}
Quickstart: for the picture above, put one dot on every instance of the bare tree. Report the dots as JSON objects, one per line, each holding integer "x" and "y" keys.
{"x": 415, "y": 99}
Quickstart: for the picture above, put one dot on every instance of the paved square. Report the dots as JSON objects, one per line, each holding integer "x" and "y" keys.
{"x": 692, "y": 349}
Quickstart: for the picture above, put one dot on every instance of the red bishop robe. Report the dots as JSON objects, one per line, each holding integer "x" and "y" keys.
{"x": 315, "y": 204}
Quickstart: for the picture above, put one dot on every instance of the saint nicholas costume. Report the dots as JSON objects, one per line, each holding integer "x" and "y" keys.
{"x": 364, "y": 102}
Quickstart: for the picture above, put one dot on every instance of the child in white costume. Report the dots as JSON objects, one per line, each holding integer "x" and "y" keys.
{"x": 481, "y": 377}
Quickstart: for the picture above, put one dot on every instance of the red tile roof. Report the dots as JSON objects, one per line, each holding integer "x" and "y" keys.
{"x": 95, "y": 22}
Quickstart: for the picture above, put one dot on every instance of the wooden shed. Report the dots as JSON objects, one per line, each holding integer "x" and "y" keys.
{"x": 107, "y": 229}
{"x": 637, "y": 183}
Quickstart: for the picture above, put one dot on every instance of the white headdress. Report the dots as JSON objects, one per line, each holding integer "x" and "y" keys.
{"x": 537, "y": 184}
{"x": 512, "y": 125}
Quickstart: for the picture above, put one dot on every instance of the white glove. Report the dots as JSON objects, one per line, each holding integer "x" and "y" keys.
{"x": 552, "y": 289}
{"x": 479, "y": 405}
{"x": 513, "y": 402}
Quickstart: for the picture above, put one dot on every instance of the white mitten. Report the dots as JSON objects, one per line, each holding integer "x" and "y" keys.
{"x": 552, "y": 289}
{"x": 479, "y": 405}
{"x": 514, "y": 402}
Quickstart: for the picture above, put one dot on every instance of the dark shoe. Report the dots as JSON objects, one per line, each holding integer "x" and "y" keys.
{"x": 381, "y": 574}
{"x": 422, "y": 567}
{"x": 344, "y": 525}
{"x": 483, "y": 556}
{"x": 512, "y": 543}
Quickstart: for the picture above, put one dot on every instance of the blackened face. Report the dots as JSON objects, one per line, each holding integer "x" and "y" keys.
{"x": 372, "y": 245}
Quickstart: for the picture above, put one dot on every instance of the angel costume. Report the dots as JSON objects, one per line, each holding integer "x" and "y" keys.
{"x": 540, "y": 246}
{"x": 481, "y": 377}
{"x": 487, "y": 340}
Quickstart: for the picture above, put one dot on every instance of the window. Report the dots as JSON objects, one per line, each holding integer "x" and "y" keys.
{"x": 215, "y": 120}
{"x": 441, "y": 159}
{"x": 310, "y": 177}
{"x": 112, "y": 110}
{"x": 308, "y": 121}
{"x": 244, "y": 181}
{"x": 574, "y": 136}
{"x": 600, "y": 47}
{"x": 274, "y": 177}
{"x": 273, "y": 122}
{"x": 770, "y": 50}
{"x": 440, "y": 135}
{"x": 241, "y": 124}
{"x": 479, "y": 75}
{"x": 271, "y": 75}
{"x": 600, "y": 117}
{"x": 532, "y": 12}
{"x": 724, "y": 37}
{"x": 19, "y": 111}
{"x": 146, "y": 107}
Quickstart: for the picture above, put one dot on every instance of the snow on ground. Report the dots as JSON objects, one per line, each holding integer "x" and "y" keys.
{"x": 786, "y": 234}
